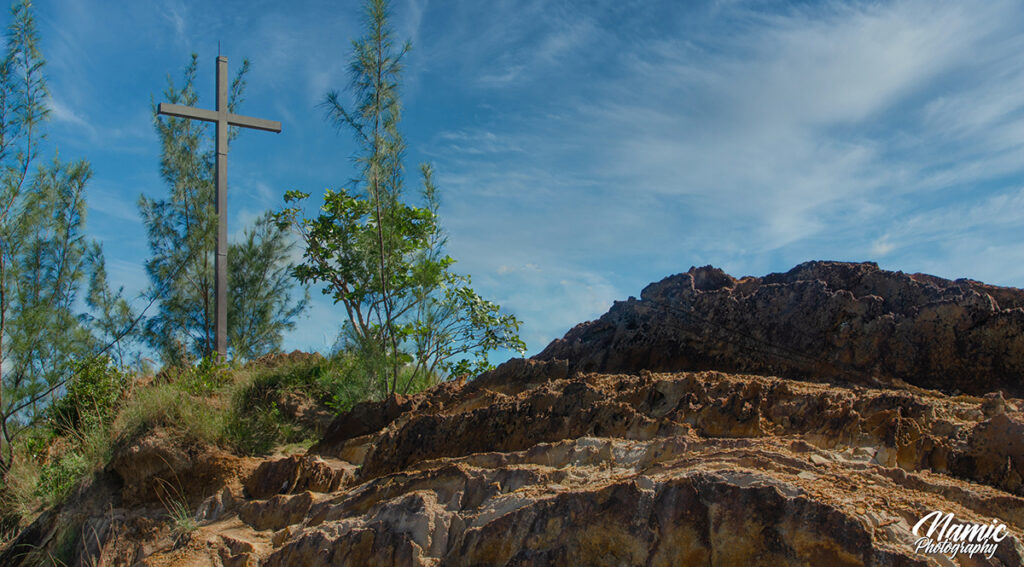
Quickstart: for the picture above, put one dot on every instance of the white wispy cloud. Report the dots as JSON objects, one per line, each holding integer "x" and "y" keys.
{"x": 175, "y": 13}
{"x": 129, "y": 275}
{"x": 547, "y": 294}
{"x": 882, "y": 246}
{"x": 998, "y": 212}
{"x": 114, "y": 203}
{"x": 748, "y": 139}
{"x": 791, "y": 122}
{"x": 60, "y": 112}
{"x": 452, "y": 144}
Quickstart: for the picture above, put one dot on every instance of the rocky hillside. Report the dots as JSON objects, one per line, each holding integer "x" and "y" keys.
{"x": 807, "y": 418}
{"x": 821, "y": 320}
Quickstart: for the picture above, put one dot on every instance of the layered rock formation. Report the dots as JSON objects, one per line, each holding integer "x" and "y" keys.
{"x": 824, "y": 320}
{"x": 620, "y": 445}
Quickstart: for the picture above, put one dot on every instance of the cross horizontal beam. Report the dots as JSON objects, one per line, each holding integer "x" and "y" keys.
{"x": 213, "y": 116}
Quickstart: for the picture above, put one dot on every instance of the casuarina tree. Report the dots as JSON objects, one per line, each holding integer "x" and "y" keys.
{"x": 45, "y": 256}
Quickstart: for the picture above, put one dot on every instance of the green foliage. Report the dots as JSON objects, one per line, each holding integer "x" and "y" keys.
{"x": 256, "y": 430}
{"x": 350, "y": 378}
{"x": 44, "y": 340}
{"x": 72, "y": 457}
{"x": 257, "y": 425}
{"x": 82, "y": 419}
{"x": 260, "y": 286}
{"x": 36, "y": 441}
{"x": 233, "y": 408}
{"x": 44, "y": 254}
{"x": 92, "y": 397}
{"x": 301, "y": 375}
{"x": 182, "y": 237}
{"x": 383, "y": 258}
{"x": 113, "y": 321}
{"x": 18, "y": 495}
{"x": 57, "y": 478}
{"x": 167, "y": 405}
{"x": 239, "y": 409}
{"x": 206, "y": 377}
{"x": 182, "y": 520}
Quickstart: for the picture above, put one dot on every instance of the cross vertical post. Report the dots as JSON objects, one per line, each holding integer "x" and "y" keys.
{"x": 223, "y": 118}
{"x": 221, "y": 177}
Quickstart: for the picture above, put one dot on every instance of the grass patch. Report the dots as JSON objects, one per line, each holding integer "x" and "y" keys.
{"x": 238, "y": 409}
{"x": 257, "y": 423}
{"x": 206, "y": 378}
{"x": 181, "y": 518}
{"x": 54, "y": 456}
{"x": 74, "y": 456}
{"x": 167, "y": 405}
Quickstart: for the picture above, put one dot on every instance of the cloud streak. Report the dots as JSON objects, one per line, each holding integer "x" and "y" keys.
{"x": 751, "y": 138}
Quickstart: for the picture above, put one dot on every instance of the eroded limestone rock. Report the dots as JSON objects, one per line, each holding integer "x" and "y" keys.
{"x": 825, "y": 320}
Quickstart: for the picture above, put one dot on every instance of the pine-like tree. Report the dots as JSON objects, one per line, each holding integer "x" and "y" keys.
{"x": 182, "y": 237}
{"x": 112, "y": 321}
{"x": 260, "y": 285}
{"x": 44, "y": 254}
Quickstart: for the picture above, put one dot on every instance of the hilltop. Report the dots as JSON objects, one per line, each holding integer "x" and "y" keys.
{"x": 808, "y": 417}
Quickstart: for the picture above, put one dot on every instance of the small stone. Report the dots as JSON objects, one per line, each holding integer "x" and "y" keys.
{"x": 281, "y": 536}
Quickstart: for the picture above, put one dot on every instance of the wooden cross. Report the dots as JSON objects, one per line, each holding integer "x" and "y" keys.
{"x": 223, "y": 119}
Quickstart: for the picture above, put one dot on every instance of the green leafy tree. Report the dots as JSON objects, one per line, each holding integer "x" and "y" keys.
{"x": 383, "y": 258}
{"x": 182, "y": 238}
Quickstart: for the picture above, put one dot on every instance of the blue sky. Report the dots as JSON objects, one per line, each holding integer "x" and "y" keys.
{"x": 585, "y": 149}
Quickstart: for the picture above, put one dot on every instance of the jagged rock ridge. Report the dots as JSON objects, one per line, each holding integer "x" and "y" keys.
{"x": 825, "y": 320}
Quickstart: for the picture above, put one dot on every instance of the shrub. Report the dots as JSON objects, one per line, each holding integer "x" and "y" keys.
{"x": 92, "y": 396}
{"x": 348, "y": 379}
{"x": 256, "y": 431}
{"x": 206, "y": 377}
{"x": 83, "y": 449}
{"x": 60, "y": 476}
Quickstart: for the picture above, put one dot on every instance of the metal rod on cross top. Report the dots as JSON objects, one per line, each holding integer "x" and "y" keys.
{"x": 223, "y": 119}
